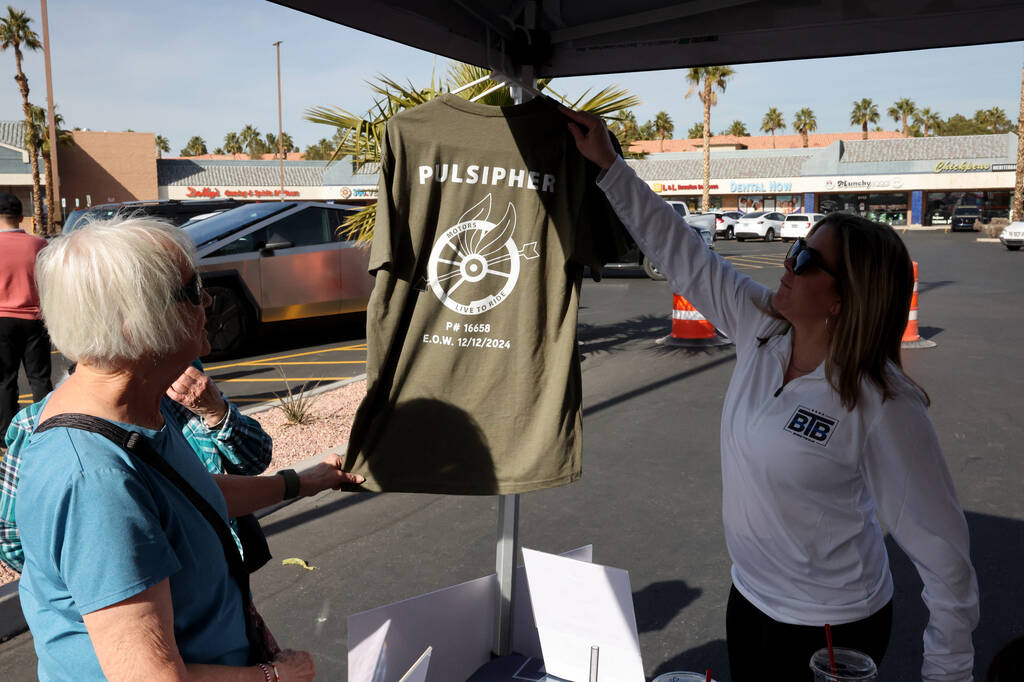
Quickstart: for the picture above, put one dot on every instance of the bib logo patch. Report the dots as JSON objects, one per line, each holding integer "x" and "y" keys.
{"x": 812, "y": 425}
{"x": 474, "y": 264}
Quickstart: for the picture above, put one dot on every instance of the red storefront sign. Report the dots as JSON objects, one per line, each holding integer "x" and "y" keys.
{"x": 213, "y": 193}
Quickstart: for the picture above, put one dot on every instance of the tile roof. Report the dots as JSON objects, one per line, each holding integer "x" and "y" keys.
{"x": 759, "y": 166}
{"x": 238, "y": 173}
{"x": 758, "y": 141}
{"x": 925, "y": 149}
{"x": 13, "y": 133}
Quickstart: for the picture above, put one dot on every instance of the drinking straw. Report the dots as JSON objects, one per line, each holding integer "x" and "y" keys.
{"x": 831, "y": 654}
{"x": 707, "y": 675}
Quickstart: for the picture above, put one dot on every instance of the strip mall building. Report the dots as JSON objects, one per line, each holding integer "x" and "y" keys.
{"x": 916, "y": 181}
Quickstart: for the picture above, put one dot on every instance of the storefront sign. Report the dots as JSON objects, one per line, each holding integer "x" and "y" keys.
{"x": 960, "y": 167}
{"x": 679, "y": 187}
{"x": 761, "y": 186}
{"x": 358, "y": 192}
{"x": 863, "y": 184}
{"x": 1004, "y": 166}
{"x": 213, "y": 193}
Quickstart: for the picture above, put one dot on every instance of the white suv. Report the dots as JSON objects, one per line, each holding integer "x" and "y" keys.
{"x": 1012, "y": 236}
{"x": 764, "y": 225}
{"x": 797, "y": 225}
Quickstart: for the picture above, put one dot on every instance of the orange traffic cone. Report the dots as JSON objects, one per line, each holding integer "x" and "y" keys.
{"x": 911, "y": 336}
{"x": 690, "y": 328}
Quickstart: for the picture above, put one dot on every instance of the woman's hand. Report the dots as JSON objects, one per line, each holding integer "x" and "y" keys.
{"x": 293, "y": 666}
{"x": 591, "y": 135}
{"x": 197, "y": 392}
{"x": 326, "y": 474}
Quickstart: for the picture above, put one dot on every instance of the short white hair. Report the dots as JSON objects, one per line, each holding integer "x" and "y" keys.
{"x": 107, "y": 290}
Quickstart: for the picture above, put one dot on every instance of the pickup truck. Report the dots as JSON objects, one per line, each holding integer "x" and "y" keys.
{"x": 704, "y": 224}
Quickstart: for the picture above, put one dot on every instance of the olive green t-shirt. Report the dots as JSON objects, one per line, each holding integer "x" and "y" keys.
{"x": 485, "y": 219}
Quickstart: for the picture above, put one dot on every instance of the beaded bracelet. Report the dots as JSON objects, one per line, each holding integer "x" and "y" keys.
{"x": 266, "y": 671}
{"x": 277, "y": 678}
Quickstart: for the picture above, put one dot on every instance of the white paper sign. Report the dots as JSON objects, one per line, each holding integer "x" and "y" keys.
{"x": 578, "y": 605}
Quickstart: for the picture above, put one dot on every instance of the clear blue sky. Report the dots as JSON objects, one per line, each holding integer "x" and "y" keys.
{"x": 206, "y": 68}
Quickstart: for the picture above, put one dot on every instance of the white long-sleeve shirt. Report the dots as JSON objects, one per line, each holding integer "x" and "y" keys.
{"x": 804, "y": 478}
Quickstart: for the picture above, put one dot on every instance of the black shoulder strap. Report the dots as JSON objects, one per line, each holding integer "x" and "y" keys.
{"x": 135, "y": 444}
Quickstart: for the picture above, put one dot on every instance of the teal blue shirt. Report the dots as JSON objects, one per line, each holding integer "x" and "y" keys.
{"x": 113, "y": 528}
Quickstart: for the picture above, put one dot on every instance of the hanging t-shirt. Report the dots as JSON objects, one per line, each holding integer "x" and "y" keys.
{"x": 485, "y": 219}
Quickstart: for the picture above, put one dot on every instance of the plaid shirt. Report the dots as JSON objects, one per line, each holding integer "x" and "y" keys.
{"x": 238, "y": 446}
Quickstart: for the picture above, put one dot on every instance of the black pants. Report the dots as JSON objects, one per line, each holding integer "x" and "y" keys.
{"x": 22, "y": 341}
{"x": 754, "y": 639}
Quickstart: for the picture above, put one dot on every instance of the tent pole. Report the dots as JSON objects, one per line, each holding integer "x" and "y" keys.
{"x": 507, "y": 545}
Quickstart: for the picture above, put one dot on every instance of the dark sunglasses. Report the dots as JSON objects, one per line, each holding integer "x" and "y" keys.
{"x": 191, "y": 291}
{"x": 804, "y": 257}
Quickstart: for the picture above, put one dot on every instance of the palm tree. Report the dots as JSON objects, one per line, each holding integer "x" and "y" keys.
{"x": 804, "y": 122}
{"x": 625, "y": 128}
{"x": 902, "y": 110}
{"x": 360, "y": 136}
{"x": 737, "y": 128}
{"x": 928, "y": 120}
{"x": 251, "y": 142}
{"x": 864, "y": 112}
{"x": 196, "y": 146}
{"x": 994, "y": 119}
{"x": 695, "y": 131}
{"x": 287, "y": 143}
{"x": 707, "y": 79}
{"x": 39, "y": 131}
{"x": 663, "y": 127}
{"x": 162, "y": 145}
{"x": 320, "y": 151}
{"x": 233, "y": 145}
{"x": 771, "y": 122}
{"x": 271, "y": 144}
{"x": 218, "y": 150}
{"x": 16, "y": 33}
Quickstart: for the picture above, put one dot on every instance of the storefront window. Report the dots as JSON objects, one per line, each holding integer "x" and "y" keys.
{"x": 940, "y": 205}
{"x": 694, "y": 203}
{"x": 888, "y": 207}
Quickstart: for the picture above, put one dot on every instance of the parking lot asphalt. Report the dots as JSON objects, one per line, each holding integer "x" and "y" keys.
{"x": 650, "y": 497}
{"x": 282, "y": 357}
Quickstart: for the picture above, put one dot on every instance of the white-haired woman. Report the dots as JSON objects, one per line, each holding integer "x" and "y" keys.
{"x": 125, "y": 576}
{"x": 821, "y": 431}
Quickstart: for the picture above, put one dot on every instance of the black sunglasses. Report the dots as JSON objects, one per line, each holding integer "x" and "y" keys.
{"x": 191, "y": 291}
{"x": 804, "y": 257}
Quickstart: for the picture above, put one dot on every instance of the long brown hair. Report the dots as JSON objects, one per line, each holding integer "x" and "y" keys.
{"x": 876, "y": 281}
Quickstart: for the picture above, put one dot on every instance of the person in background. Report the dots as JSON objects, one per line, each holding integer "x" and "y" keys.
{"x": 822, "y": 436}
{"x": 23, "y": 338}
{"x": 225, "y": 441}
{"x": 125, "y": 577}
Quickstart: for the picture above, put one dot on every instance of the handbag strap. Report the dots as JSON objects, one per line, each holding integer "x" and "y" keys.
{"x": 135, "y": 444}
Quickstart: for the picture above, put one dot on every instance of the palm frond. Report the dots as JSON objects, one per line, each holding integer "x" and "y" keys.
{"x": 359, "y": 225}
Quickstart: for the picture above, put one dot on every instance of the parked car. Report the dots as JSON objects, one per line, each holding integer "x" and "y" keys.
{"x": 964, "y": 218}
{"x": 797, "y": 225}
{"x": 725, "y": 223}
{"x": 1012, "y": 236}
{"x": 635, "y": 258}
{"x": 176, "y": 211}
{"x": 277, "y": 261}
{"x": 764, "y": 225}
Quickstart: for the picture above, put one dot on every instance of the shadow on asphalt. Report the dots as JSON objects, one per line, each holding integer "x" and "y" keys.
{"x": 658, "y": 603}
{"x": 594, "y": 339}
{"x": 924, "y": 287}
{"x": 654, "y": 385}
{"x": 315, "y": 513}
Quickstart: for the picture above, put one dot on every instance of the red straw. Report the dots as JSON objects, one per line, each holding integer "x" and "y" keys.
{"x": 707, "y": 675}
{"x": 831, "y": 655}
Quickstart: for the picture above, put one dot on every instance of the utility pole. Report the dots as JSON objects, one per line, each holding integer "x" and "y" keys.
{"x": 280, "y": 124}
{"x": 52, "y": 123}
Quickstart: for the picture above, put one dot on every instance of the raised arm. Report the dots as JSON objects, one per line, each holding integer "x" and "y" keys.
{"x": 732, "y": 302}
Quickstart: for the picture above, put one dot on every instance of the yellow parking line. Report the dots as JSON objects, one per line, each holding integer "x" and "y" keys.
{"x": 243, "y": 381}
{"x": 324, "y": 362}
{"x": 285, "y": 357}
